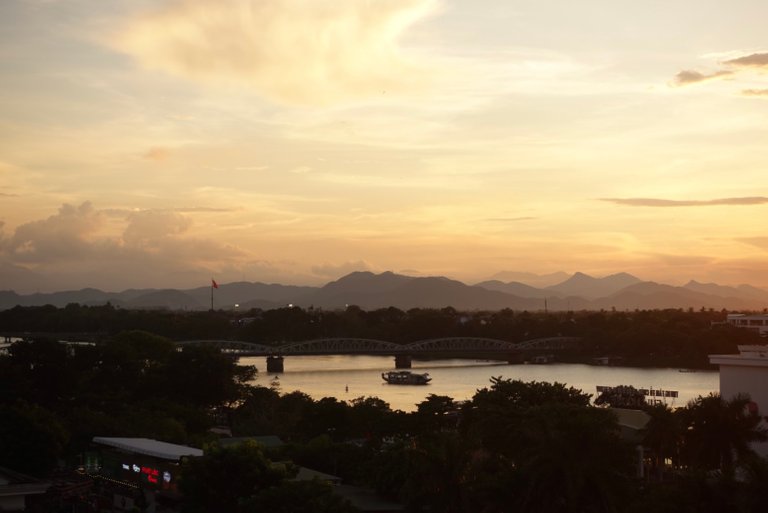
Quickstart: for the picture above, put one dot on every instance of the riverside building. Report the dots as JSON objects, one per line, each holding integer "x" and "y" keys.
{"x": 746, "y": 373}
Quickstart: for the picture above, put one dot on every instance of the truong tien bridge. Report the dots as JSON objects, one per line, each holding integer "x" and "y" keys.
{"x": 430, "y": 349}
{"x": 449, "y": 347}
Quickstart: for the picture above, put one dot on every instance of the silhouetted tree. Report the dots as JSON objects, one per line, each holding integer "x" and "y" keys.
{"x": 225, "y": 477}
{"x": 719, "y": 431}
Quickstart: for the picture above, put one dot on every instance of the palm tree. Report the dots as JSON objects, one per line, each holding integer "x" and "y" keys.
{"x": 663, "y": 435}
{"x": 719, "y": 432}
{"x": 570, "y": 459}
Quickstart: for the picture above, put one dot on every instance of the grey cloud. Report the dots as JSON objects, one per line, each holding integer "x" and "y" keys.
{"x": 654, "y": 202}
{"x": 150, "y": 225}
{"x": 688, "y": 77}
{"x": 60, "y": 236}
{"x": 152, "y": 238}
{"x": 755, "y": 60}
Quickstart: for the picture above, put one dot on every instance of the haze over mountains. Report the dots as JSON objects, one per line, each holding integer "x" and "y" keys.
{"x": 367, "y": 290}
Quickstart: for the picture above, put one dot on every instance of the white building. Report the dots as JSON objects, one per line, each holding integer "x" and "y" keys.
{"x": 746, "y": 373}
{"x": 757, "y": 323}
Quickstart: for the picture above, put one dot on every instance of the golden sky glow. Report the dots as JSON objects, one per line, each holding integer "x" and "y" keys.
{"x": 157, "y": 143}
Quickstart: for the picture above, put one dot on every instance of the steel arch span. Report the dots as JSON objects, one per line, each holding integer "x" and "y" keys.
{"x": 341, "y": 346}
{"x": 460, "y": 344}
{"x": 360, "y": 346}
{"x": 234, "y": 346}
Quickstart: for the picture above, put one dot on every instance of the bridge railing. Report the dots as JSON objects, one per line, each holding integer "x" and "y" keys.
{"x": 371, "y": 346}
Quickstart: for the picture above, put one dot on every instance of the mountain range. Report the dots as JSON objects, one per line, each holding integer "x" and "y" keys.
{"x": 367, "y": 290}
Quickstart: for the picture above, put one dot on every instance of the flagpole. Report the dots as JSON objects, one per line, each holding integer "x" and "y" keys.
{"x": 211, "y": 295}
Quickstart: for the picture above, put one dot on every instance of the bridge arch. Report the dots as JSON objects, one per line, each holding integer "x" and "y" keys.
{"x": 341, "y": 346}
{"x": 235, "y": 346}
{"x": 458, "y": 344}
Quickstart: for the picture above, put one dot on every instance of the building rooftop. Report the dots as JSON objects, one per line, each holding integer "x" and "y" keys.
{"x": 749, "y": 356}
{"x": 308, "y": 474}
{"x": 15, "y": 484}
{"x": 149, "y": 447}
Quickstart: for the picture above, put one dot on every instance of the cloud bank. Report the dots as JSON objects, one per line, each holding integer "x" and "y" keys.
{"x": 118, "y": 248}
{"x": 755, "y": 61}
{"x": 77, "y": 235}
{"x": 654, "y": 202}
{"x": 294, "y": 51}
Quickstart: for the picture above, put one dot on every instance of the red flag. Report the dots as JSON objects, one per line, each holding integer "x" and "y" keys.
{"x": 214, "y": 284}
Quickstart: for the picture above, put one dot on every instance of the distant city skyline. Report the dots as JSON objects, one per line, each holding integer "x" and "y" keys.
{"x": 159, "y": 143}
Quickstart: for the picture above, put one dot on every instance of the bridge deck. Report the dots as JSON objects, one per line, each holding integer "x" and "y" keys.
{"x": 353, "y": 346}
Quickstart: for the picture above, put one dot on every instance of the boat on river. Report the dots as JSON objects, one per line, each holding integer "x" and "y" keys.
{"x": 405, "y": 378}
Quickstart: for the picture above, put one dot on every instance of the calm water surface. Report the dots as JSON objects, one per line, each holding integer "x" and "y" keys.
{"x": 329, "y": 376}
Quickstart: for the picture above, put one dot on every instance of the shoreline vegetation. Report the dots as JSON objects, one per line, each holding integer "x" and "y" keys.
{"x": 514, "y": 446}
{"x": 674, "y": 338}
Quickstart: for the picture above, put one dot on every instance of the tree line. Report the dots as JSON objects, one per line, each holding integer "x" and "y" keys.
{"x": 673, "y": 338}
{"x": 514, "y": 446}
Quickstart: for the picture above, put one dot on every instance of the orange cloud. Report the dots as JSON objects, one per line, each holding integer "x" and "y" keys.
{"x": 296, "y": 51}
{"x": 654, "y": 202}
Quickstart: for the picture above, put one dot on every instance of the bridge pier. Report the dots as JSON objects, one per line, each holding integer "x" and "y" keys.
{"x": 274, "y": 364}
{"x": 403, "y": 361}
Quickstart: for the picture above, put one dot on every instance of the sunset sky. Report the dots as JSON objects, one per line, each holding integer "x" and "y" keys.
{"x": 158, "y": 143}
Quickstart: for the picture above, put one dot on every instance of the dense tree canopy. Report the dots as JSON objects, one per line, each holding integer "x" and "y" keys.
{"x": 514, "y": 446}
{"x": 672, "y": 337}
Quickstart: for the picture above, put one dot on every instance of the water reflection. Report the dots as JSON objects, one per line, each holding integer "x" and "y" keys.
{"x": 348, "y": 377}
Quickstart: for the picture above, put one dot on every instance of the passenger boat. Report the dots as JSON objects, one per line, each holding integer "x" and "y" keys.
{"x": 405, "y": 378}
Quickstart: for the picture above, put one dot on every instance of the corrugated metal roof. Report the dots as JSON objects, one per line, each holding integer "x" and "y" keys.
{"x": 149, "y": 447}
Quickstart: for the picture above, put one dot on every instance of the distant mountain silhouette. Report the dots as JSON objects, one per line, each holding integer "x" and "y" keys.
{"x": 586, "y": 286}
{"x": 742, "y": 291}
{"x": 369, "y": 291}
{"x": 242, "y": 292}
{"x": 534, "y": 280}
{"x": 517, "y": 289}
{"x": 648, "y": 295}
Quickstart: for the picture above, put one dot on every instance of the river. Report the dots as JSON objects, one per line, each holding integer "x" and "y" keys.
{"x": 349, "y": 377}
